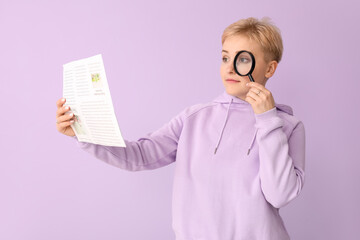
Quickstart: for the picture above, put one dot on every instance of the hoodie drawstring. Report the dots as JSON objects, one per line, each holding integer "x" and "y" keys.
{"x": 252, "y": 141}
{"x": 227, "y": 114}
{"x": 222, "y": 130}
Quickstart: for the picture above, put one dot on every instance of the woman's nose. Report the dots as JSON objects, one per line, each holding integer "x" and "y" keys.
{"x": 230, "y": 68}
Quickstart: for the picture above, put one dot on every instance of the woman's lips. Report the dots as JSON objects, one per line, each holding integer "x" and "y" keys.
{"x": 232, "y": 80}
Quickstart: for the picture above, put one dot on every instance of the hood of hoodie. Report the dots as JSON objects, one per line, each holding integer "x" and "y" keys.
{"x": 226, "y": 98}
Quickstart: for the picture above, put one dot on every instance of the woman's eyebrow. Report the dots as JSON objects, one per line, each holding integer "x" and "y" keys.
{"x": 228, "y": 52}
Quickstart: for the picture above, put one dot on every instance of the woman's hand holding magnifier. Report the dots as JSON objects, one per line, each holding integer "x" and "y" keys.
{"x": 259, "y": 97}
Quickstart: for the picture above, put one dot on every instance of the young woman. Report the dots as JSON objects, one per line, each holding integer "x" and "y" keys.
{"x": 239, "y": 158}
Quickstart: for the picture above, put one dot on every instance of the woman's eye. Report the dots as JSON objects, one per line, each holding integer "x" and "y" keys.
{"x": 244, "y": 60}
{"x": 225, "y": 59}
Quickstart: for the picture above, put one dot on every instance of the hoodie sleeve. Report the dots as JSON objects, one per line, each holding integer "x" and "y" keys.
{"x": 282, "y": 159}
{"x": 154, "y": 150}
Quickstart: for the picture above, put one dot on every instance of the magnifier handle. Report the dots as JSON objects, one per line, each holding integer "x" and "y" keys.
{"x": 251, "y": 78}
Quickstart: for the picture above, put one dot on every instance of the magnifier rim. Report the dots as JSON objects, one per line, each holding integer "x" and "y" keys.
{"x": 252, "y": 65}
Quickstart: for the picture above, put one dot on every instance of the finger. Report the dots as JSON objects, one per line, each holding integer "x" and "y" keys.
{"x": 65, "y": 124}
{"x": 258, "y": 92}
{"x": 60, "y": 102}
{"x": 62, "y": 110}
{"x": 254, "y": 90}
{"x": 250, "y": 100}
{"x": 65, "y": 118}
{"x": 253, "y": 95}
{"x": 258, "y": 86}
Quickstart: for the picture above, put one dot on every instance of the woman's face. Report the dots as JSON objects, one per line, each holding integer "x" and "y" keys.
{"x": 231, "y": 46}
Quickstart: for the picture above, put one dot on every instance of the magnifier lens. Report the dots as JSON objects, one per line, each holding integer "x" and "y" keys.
{"x": 244, "y": 63}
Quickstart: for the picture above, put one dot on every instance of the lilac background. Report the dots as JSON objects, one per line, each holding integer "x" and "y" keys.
{"x": 51, "y": 189}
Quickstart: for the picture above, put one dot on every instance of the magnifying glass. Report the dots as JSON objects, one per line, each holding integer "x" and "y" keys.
{"x": 244, "y": 64}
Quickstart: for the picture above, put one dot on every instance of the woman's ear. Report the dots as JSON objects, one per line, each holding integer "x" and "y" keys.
{"x": 272, "y": 65}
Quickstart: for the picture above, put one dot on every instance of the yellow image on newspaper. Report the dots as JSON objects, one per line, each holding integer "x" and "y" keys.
{"x": 96, "y": 80}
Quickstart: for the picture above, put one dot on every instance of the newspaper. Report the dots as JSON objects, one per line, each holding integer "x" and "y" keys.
{"x": 86, "y": 90}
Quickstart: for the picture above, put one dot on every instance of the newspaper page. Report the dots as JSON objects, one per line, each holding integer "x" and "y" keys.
{"x": 86, "y": 90}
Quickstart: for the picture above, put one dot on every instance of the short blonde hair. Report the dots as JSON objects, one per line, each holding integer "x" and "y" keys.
{"x": 262, "y": 31}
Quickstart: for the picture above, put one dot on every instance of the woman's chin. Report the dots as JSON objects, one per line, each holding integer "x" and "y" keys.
{"x": 235, "y": 92}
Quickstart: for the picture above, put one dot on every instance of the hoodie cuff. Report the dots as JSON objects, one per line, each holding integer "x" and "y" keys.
{"x": 266, "y": 117}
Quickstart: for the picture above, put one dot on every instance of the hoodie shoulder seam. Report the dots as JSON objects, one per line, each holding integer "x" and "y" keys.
{"x": 196, "y": 110}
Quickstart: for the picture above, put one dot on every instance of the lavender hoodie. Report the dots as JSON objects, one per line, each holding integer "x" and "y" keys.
{"x": 234, "y": 168}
